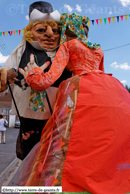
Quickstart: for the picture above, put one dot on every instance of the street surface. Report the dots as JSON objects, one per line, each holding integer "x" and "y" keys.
{"x": 8, "y": 160}
{"x": 8, "y": 150}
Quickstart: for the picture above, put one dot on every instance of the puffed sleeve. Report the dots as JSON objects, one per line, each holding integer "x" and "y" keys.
{"x": 38, "y": 80}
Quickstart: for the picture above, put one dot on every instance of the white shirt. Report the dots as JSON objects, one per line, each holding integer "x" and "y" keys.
{"x": 2, "y": 127}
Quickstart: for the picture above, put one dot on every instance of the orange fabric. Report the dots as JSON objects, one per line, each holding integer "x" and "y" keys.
{"x": 47, "y": 158}
{"x": 73, "y": 55}
{"x": 98, "y": 156}
{"x": 85, "y": 145}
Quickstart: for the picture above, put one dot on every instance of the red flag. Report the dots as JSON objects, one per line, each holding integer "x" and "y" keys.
{"x": 19, "y": 32}
{"x": 109, "y": 19}
{"x": 11, "y": 32}
{"x": 121, "y": 17}
{"x": 4, "y": 33}
{"x": 97, "y": 22}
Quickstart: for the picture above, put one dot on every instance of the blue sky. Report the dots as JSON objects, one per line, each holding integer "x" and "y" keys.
{"x": 14, "y": 16}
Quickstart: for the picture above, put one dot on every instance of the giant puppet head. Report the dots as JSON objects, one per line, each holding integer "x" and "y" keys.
{"x": 42, "y": 30}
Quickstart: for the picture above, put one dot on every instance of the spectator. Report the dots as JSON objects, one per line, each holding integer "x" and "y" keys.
{"x": 2, "y": 128}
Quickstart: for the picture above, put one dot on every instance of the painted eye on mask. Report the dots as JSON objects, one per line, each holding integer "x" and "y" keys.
{"x": 41, "y": 30}
{"x": 55, "y": 31}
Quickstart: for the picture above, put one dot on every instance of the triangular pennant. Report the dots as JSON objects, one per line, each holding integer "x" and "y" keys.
{"x": 113, "y": 18}
{"x": 97, "y": 22}
{"x": 9, "y": 33}
{"x": 19, "y": 32}
{"x": 129, "y": 15}
{"x": 14, "y": 32}
{"x": 109, "y": 19}
{"x": 6, "y": 33}
{"x": 0, "y": 33}
{"x": 121, "y": 18}
{"x": 100, "y": 21}
{"x": 105, "y": 19}
{"x": 118, "y": 18}
{"x": 23, "y": 30}
{"x": 93, "y": 22}
{"x": 126, "y": 17}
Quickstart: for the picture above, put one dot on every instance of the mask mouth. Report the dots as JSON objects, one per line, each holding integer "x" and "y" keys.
{"x": 48, "y": 43}
{"x": 46, "y": 47}
{"x": 48, "y": 40}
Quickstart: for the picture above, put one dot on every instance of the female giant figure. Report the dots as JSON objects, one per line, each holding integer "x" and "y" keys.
{"x": 85, "y": 146}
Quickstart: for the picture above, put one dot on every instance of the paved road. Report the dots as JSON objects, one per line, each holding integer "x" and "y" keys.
{"x": 8, "y": 160}
{"x": 8, "y": 150}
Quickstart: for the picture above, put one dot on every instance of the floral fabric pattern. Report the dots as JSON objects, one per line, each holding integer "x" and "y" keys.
{"x": 74, "y": 23}
{"x": 36, "y": 100}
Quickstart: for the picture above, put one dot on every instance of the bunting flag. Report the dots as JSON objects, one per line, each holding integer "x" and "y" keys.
{"x": 89, "y": 23}
{"x": 19, "y": 32}
{"x": 98, "y": 21}
{"x": 9, "y": 33}
{"x": 109, "y": 19}
{"x": 105, "y": 19}
{"x": 121, "y": 17}
{"x": 126, "y": 17}
{"x": 113, "y": 18}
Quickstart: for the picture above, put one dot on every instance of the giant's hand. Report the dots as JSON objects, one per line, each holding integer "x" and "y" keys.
{"x": 5, "y": 75}
{"x": 32, "y": 65}
{"x": 27, "y": 135}
{"x": 3, "y": 79}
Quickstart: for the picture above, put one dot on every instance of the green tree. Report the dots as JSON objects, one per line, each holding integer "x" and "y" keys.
{"x": 128, "y": 88}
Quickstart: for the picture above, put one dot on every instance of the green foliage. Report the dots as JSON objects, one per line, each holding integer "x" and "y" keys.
{"x": 128, "y": 88}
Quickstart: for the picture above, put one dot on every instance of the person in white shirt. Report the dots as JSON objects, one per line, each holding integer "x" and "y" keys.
{"x": 2, "y": 128}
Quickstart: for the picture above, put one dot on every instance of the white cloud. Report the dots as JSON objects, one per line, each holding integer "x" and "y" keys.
{"x": 78, "y": 8}
{"x": 27, "y": 17}
{"x": 110, "y": 12}
{"x": 70, "y": 9}
{"x": 124, "y": 66}
{"x": 3, "y": 58}
{"x": 125, "y": 3}
{"x": 123, "y": 81}
{"x": 114, "y": 64}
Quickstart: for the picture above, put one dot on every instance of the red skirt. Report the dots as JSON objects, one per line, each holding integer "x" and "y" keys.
{"x": 85, "y": 146}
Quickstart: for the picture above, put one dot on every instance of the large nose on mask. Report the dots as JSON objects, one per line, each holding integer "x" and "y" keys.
{"x": 49, "y": 31}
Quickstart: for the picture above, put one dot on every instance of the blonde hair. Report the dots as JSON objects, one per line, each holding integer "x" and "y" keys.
{"x": 27, "y": 34}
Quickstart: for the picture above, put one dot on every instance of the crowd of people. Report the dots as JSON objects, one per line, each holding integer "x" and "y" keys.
{"x": 84, "y": 145}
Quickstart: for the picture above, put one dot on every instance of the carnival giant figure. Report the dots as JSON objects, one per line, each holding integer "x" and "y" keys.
{"x": 41, "y": 37}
